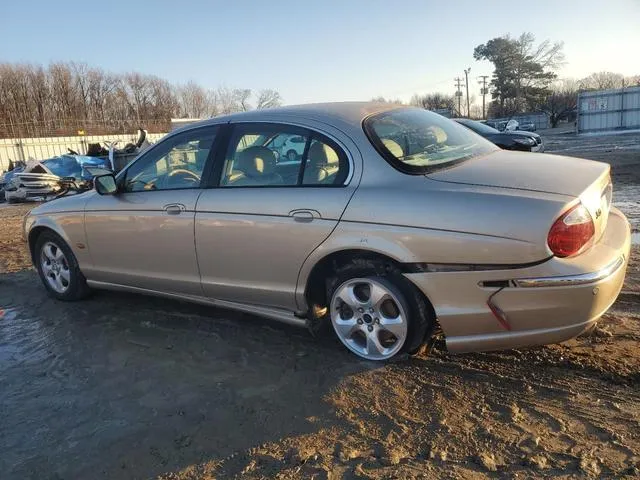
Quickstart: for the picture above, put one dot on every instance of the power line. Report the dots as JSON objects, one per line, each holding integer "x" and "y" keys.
{"x": 466, "y": 77}
{"x": 458, "y": 81}
{"x": 483, "y": 91}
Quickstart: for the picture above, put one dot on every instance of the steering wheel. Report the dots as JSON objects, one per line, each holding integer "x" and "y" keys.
{"x": 181, "y": 176}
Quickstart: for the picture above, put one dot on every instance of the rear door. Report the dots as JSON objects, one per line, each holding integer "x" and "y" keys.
{"x": 262, "y": 217}
{"x": 143, "y": 236}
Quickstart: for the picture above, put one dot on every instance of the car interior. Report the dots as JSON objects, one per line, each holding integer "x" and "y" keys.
{"x": 262, "y": 164}
{"x": 181, "y": 167}
{"x": 252, "y": 160}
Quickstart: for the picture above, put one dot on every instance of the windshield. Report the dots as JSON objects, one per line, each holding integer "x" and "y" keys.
{"x": 416, "y": 141}
{"x": 478, "y": 127}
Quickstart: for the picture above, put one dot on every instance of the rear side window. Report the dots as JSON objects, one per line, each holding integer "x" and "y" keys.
{"x": 417, "y": 141}
{"x": 282, "y": 156}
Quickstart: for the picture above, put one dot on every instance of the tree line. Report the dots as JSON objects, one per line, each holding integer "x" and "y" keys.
{"x": 525, "y": 79}
{"x": 65, "y": 97}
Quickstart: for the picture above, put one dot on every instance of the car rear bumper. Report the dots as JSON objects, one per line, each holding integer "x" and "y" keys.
{"x": 546, "y": 303}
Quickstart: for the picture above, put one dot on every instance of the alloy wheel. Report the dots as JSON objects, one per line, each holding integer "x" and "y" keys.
{"x": 55, "y": 267}
{"x": 369, "y": 318}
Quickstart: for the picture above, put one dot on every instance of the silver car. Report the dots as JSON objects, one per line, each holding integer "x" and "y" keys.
{"x": 395, "y": 224}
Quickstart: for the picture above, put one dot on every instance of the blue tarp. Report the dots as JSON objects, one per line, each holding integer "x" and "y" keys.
{"x": 72, "y": 165}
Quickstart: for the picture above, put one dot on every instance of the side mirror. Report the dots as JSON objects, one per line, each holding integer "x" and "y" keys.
{"x": 105, "y": 184}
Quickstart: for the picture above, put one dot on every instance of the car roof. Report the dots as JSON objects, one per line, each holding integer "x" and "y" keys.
{"x": 352, "y": 113}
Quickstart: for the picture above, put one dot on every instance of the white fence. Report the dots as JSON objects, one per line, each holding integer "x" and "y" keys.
{"x": 46, "y": 147}
{"x": 605, "y": 110}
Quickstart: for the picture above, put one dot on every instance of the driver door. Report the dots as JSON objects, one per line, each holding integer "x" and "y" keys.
{"x": 144, "y": 235}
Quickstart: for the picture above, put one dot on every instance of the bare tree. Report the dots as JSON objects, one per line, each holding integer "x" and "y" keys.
{"x": 632, "y": 81}
{"x": 268, "y": 98}
{"x": 136, "y": 88}
{"x": 39, "y": 89}
{"x": 163, "y": 102}
{"x": 226, "y": 100}
{"x": 194, "y": 100}
{"x": 382, "y": 99}
{"x": 80, "y": 75}
{"x": 602, "y": 81}
{"x": 212, "y": 100}
{"x": 65, "y": 97}
{"x": 476, "y": 111}
{"x": 242, "y": 96}
{"x": 433, "y": 101}
{"x": 562, "y": 100}
{"x": 101, "y": 88}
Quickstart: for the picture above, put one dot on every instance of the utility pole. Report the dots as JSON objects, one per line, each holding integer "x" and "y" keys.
{"x": 458, "y": 81}
{"x": 484, "y": 92}
{"x": 466, "y": 76}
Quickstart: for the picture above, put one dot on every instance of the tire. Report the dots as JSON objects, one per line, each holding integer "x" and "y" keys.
{"x": 419, "y": 322}
{"x": 76, "y": 287}
{"x": 292, "y": 155}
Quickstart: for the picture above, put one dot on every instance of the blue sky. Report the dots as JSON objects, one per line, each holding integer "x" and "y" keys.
{"x": 316, "y": 50}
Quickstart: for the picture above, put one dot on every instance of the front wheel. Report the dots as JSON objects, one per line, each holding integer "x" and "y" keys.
{"x": 376, "y": 312}
{"x": 58, "y": 268}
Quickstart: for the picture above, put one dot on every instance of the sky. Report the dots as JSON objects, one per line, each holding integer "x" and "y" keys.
{"x": 311, "y": 51}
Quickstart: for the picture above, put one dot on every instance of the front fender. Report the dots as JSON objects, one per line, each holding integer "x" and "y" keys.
{"x": 68, "y": 225}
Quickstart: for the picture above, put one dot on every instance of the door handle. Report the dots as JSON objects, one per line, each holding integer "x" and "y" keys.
{"x": 304, "y": 215}
{"x": 174, "y": 208}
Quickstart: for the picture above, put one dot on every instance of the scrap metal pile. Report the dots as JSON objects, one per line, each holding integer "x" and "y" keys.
{"x": 42, "y": 180}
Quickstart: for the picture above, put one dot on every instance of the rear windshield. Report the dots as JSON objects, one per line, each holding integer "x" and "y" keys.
{"x": 418, "y": 141}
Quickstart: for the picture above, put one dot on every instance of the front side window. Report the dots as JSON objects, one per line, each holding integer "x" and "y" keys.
{"x": 280, "y": 156}
{"x": 176, "y": 163}
{"x": 417, "y": 141}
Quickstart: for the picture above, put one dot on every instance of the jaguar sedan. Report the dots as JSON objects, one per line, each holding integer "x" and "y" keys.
{"x": 393, "y": 225}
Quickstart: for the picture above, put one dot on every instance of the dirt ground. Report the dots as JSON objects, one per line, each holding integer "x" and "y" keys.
{"x": 124, "y": 386}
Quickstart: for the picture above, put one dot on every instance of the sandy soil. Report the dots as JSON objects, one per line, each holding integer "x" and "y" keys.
{"x": 14, "y": 256}
{"x": 123, "y": 386}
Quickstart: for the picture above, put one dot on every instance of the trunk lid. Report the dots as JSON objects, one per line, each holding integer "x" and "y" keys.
{"x": 584, "y": 179}
{"x": 535, "y": 172}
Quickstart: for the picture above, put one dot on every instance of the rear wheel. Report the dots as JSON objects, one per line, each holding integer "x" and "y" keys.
{"x": 58, "y": 268}
{"x": 376, "y": 312}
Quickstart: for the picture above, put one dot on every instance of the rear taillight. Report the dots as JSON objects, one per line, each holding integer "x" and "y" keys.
{"x": 571, "y": 232}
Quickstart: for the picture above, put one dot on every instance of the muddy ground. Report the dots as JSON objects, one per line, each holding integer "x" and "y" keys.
{"x": 124, "y": 386}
